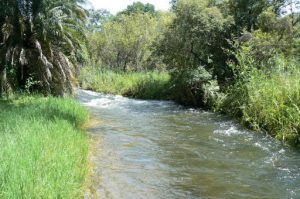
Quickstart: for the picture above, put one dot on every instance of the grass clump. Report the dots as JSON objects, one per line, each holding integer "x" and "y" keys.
{"x": 274, "y": 105}
{"x": 43, "y": 148}
{"x": 268, "y": 103}
{"x": 142, "y": 85}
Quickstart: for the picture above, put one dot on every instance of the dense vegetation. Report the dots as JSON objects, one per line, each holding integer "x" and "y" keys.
{"x": 236, "y": 57}
{"x": 43, "y": 149}
{"x": 40, "y": 44}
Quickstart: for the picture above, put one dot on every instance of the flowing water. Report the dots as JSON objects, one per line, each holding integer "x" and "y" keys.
{"x": 158, "y": 149}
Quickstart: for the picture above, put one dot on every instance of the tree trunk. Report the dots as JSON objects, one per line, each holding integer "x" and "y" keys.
{"x": 3, "y": 82}
{"x": 125, "y": 66}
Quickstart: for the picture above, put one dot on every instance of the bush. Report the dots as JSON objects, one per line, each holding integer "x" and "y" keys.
{"x": 266, "y": 100}
{"x": 195, "y": 87}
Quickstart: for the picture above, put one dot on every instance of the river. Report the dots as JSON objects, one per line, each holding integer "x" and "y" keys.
{"x": 158, "y": 149}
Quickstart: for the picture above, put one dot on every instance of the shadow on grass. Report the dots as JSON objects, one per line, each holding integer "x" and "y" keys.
{"x": 48, "y": 109}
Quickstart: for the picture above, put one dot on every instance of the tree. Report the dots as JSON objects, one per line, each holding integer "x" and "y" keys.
{"x": 41, "y": 40}
{"x": 197, "y": 37}
{"x": 246, "y": 12}
{"x": 97, "y": 18}
{"x": 291, "y": 8}
{"x": 173, "y": 4}
{"x": 125, "y": 41}
{"x": 193, "y": 48}
{"x": 139, "y": 8}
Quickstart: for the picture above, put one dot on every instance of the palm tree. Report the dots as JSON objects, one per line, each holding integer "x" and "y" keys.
{"x": 40, "y": 42}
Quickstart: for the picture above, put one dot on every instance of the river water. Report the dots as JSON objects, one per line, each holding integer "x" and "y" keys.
{"x": 158, "y": 149}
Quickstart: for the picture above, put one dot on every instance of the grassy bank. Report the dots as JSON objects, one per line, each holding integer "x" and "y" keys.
{"x": 43, "y": 148}
{"x": 268, "y": 103}
{"x": 142, "y": 85}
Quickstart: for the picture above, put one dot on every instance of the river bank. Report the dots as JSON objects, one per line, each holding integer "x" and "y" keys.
{"x": 43, "y": 147}
{"x": 267, "y": 103}
{"x": 139, "y": 85}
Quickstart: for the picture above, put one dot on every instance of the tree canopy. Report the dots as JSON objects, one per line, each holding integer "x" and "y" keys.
{"x": 138, "y": 8}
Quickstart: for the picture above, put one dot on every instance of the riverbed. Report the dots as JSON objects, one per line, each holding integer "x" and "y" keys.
{"x": 159, "y": 149}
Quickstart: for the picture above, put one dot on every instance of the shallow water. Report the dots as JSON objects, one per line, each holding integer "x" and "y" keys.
{"x": 158, "y": 149}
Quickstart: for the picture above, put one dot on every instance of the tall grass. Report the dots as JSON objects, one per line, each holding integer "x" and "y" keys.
{"x": 269, "y": 103}
{"x": 274, "y": 105}
{"x": 43, "y": 150}
{"x": 142, "y": 85}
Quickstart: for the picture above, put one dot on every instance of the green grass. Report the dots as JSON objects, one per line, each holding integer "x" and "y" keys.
{"x": 274, "y": 106}
{"x": 142, "y": 85}
{"x": 43, "y": 150}
{"x": 269, "y": 103}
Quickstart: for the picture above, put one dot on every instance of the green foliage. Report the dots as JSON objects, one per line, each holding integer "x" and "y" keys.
{"x": 268, "y": 103}
{"x": 43, "y": 149}
{"x": 247, "y": 12}
{"x": 193, "y": 49}
{"x": 41, "y": 39}
{"x": 274, "y": 107}
{"x": 195, "y": 87}
{"x": 125, "y": 42}
{"x": 97, "y": 18}
{"x": 275, "y": 40}
{"x": 195, "y": 37}
{"x": 139, "y": 8}
{"x": 142, "y": 85}
{"x": 265, "y": 93}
